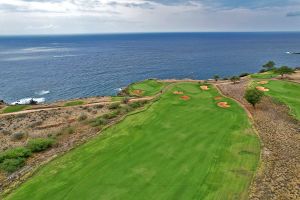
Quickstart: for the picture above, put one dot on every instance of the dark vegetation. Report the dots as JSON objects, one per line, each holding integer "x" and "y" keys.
{"x": 15, "y": 158}
{"x": 253, "y": 96}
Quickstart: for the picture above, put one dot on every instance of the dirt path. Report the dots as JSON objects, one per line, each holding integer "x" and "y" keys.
{"x": 62, "y": 107}
{"x": 278, "y": 176}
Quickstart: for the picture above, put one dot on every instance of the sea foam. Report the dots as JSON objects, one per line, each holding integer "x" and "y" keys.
{"x": 42, "y": 92}
{"x": 27, "y": 101}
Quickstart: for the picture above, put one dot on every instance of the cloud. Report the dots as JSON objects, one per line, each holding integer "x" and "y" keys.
{"x": 105, "y": 16}
{"x": 293, "y": 14}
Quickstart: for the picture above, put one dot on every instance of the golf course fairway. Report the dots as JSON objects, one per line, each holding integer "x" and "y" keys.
{"x": 288, "y": 93}
{"x": 178, "y": 148}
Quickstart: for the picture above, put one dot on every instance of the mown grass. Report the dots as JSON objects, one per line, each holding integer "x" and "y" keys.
{"x": 14, "y": 108}
{"x": 265, "y": 75}
{"x": 175, "y": 149}
{"x": 148, "y": 87}
{"x": 287, "y": 93}
{"x": 74, "y": 103}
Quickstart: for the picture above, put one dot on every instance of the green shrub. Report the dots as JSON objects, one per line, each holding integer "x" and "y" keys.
{"x": 18, "y": 152}
{"x": 99, "y": 122}
{"x": 137, "y": 104}
{"x": 39, "y": 144}
{"x": 70, "y": 130}
{"x": 13, "y": 164}
{"x": 114, "y": 106}
{"x": 17, "y": 136}
{"x": 82, "y": 117}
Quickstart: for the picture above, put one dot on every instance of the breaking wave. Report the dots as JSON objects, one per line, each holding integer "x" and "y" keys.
{"x": 27, "y": 101}
{"x": 42, "y": 92}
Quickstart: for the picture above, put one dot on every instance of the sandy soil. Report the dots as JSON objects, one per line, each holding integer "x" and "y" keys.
{"x": 278, "y": 175}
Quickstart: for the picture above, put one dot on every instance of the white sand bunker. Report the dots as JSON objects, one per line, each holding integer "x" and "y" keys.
{"x": 260, "y": 88}
{"x": 223, "y": 104}
{"x": 204, "y": 87}
{"x": 263, "y": 82}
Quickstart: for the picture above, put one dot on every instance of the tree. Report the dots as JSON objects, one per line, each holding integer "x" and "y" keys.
{"x": 235, "y": 79}
{"x": 269, "y": 65}
{"x": 253, "y": 96}
{"x": 284, "y": 70}
{"x": 216, "y": 77}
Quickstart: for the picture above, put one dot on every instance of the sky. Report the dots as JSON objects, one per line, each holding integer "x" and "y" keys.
{"x": 19, "y": 17}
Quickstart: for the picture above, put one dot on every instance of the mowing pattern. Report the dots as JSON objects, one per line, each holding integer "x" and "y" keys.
{"x": 176, "y": 149}
{"x": 288, "y": 93}
{"x": 146, "y": 88}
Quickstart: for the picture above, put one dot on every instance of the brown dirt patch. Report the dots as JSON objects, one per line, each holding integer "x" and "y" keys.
{"x": 185, "y": 98}
{"x": 263, "y": 82}
{"x": 223, "y": 104}
{"x": 177, "y": 92}
{"x": 218, "y": 98}
{"x": 204, "y": 87}
{"x": 137, "y": 92}
{"x": 261, "y": 88}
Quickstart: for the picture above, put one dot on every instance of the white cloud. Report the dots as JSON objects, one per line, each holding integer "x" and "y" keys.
{"x": 98, "y": 16}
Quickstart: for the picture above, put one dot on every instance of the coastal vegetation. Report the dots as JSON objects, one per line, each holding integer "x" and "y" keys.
{"x": 14, "y": 108}
{"x": 74, "y": 103}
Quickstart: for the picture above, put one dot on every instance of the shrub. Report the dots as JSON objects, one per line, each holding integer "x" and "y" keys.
{"x": 39, "y": 144}
{"x": 17, "y": 136}
{"x": 244, "y": 74}
{"x": 82, "y": 117}
{"x": 137, "y": 104}
{"x": 70, "y": 130}
{"x": 99, "y": 106}
{"x": 235, "y": 79}
{"x": 126, "y": 109}
{"x": 284, "y": 70}
{"x": 11, "y": 165}
{"x": 125, "y": 100}
{"x": 99, "y": 122}
{"x": 114, "y": 106}
{"x": 262, "y": 70}
{"x": 18, "y": 152}
{"x": 253, "y": 96}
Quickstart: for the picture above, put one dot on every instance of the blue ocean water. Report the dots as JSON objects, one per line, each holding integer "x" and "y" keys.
{"x": 63, "y": 67}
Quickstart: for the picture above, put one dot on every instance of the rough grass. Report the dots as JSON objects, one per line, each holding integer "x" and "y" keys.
{"x": 288, "y": 93}
{"x": 175, "y": 149}
{"x": 14, "y": 108}
{"x": 265, "y": 75}
{"x": 73, "y": 103}
{"x": 149, "y": 87}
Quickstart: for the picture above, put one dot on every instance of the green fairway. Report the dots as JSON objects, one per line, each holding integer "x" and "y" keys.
{"x": 14, "y": 108}
{"x": 73, "y": 103}
{"x": 288, "y": 93}
{"x": 265, "y": 75}
{"x": 175, "y": 149}
{"x": 147, "y": 88}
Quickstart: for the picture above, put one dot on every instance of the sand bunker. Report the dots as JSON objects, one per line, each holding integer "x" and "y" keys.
{"x": 185, "y": 98}
{"x": 204, "y": 87}
{"x": 218, "y": 98}
{"x": 263, "y": 82}
{"x": 138, "y": 92}
{"x": 260, "y": 88}
{"x": 177, "y": 92}
{"x": 223, "y": 104}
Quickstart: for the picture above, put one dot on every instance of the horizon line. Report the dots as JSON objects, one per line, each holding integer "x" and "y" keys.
{"x": 137, "y": 33}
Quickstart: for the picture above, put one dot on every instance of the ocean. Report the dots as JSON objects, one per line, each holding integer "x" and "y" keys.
{"x": 53, "y": 68}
